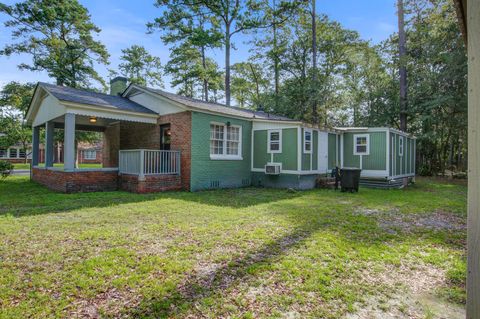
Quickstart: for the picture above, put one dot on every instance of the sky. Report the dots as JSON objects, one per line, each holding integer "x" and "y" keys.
{"x": 123, "y": 24}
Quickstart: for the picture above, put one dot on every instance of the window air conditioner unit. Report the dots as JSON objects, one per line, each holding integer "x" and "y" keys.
{"x": 272, "y": 169}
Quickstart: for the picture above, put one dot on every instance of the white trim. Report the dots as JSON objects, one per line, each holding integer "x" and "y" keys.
{"x": 374, "y": 173}
{"x": 374, "y": 129}
{"x": 414, "y": 156}
{"x": 387, "y": 161}
{"x": 264, "y": 125}
{"x": 367, "y": 151}
{"x": 218, "y": 157}
{"x": 269, "y": 150}
{"x": 225, "y": 156}
{"x": 252, "y": 140}
{"x": 305, "y": 131}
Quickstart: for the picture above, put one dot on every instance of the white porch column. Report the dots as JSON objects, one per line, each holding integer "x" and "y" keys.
{"x": 35, "y": 145}
{"x": 69, "y": 142}
{"x": 49, "y": 131}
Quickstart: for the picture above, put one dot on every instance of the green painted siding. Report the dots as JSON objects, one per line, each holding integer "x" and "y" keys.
{"x": 207, "y": 173}
{"x": 401, "y": 165}
{"x": 349, "y": 160}
{"x": 288, "y": 157}
{"x": 332, "y": 150}
{"x": 376, "y": 160}
{"x": 260, "y": 156}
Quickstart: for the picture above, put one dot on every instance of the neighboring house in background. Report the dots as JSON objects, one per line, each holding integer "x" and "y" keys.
{"x": 86, "y": 153}
{"x": 14, "y": 154}
{"x": 155, "y": 141}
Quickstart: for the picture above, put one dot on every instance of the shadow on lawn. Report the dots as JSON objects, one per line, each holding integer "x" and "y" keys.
{"x": 20, "y": 197}
{"x": 208, "y": 282}
{"x": 202, "y": 284}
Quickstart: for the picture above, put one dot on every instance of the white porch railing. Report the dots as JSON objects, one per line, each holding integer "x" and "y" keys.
{"x": 149, "y": 162}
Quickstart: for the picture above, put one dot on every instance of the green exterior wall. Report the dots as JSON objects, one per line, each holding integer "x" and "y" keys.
{"x": 376, "y": 160}
{"x": 401, "y": 165}
{"x": 288, "y": 157}
{"x": 207, "y": 173}
{"x": 315, "y": 150}
{"x": 332, "y": 150}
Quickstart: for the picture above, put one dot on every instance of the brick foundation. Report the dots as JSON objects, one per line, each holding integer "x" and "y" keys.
{"x": 73, "y": 182}
{"x": 151, "y": 184}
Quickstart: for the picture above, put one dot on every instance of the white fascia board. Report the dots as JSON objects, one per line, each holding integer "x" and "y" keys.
{"x": 87, "y": 110}
{"x": 271, "y": 125}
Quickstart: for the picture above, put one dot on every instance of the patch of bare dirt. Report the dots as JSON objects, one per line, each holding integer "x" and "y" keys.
{"x": 112, "y": 302}
{"x": 394, "y": 220}
{"x": 414, "y": 294}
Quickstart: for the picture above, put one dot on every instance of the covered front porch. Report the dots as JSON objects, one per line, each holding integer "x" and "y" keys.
{"x": 135, "y": 155}
{"x": 135, "y": 170}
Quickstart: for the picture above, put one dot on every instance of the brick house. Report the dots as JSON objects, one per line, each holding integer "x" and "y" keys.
{"x": 155, "y": 141}
{"x": 88, "y": 153}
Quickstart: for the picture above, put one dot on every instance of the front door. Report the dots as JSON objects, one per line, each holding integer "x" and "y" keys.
{"x": 165, "y": 137}
{"x": 322, "y": 152}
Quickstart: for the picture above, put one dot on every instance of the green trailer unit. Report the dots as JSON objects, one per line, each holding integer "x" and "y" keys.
{"x": 291, "y": 156}
{"x": 385, "y": 155}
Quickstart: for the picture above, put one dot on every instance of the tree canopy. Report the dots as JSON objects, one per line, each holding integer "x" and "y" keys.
{"x": 59, "y": 36}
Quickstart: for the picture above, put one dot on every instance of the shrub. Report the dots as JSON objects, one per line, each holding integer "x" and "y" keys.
{"x": 5, "y": 169}
{"x": 425, "y": 170}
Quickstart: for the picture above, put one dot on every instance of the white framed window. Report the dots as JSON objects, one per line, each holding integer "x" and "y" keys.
{"x": 3, "y": 153}
{"x": 90, "y": 154}
{"x": 400, "y": 146}
{"x": 13, "y": 153}
{"x": 307, "y": 141}
{"x": 21, "y": 153}
{"x": 361, "y": 144}
{"x": 225, "y": 141}
{"x": 274, "y": 141}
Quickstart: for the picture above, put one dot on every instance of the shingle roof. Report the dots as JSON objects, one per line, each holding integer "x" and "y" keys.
{"x": 68, "y": 94}
{"x": 217, "y": 107}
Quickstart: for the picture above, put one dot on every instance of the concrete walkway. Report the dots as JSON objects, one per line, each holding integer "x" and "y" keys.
{"x": 21, "y": 172}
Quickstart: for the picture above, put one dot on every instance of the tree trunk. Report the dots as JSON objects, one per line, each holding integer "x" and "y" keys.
{"x": 276, "y": 64}
{"x": 227, "y": 65}
{"x": 205, "y": 80}
{"x": 255, "y": 78}
{"x": 76, "y": 153}
{"x": 314, "y": 60}
{"x": 403, "y": 69}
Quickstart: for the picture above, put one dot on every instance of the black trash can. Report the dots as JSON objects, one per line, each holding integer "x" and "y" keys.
{"x": 350, "y": 178}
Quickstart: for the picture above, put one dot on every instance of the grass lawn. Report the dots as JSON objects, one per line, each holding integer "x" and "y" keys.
{"x": 84, "y": 165}
{"x": 242, "y": 253}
